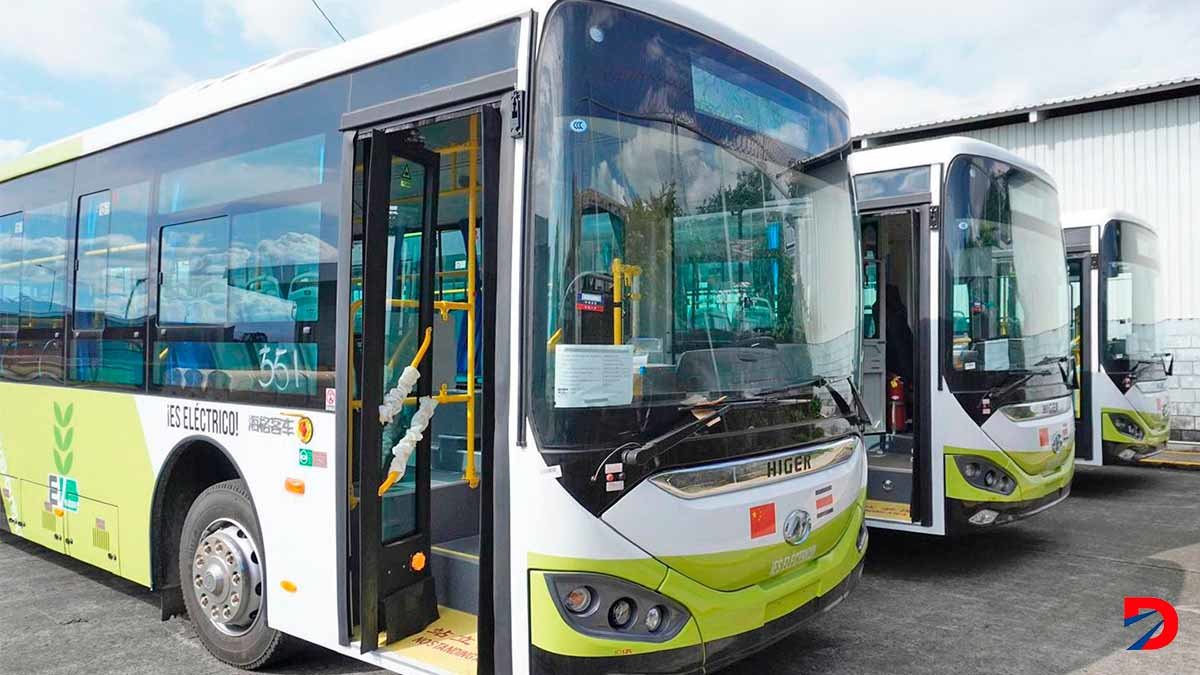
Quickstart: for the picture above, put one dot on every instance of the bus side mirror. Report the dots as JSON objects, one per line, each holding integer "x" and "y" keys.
{"x": 1168, "y": 365}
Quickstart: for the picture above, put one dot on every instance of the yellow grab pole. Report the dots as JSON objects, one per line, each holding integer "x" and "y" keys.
{"x": 472, "y": 213}
{"x": 618, "y": 276}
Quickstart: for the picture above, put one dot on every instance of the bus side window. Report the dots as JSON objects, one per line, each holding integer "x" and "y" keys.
{"x": 11, "y": 227}
{"x": 110, "y": 288}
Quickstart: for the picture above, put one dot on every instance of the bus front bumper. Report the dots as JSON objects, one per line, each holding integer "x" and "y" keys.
{"x": 964, "y": 515}
{"x": 726, "y": 626}
{"x": 972, "y": 508}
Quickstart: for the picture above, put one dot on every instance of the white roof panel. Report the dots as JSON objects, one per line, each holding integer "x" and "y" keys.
{"x": 1100, "y": 217}
{"x": 936, "y": 151}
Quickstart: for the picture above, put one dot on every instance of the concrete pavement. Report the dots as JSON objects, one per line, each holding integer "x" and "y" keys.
{"x": 1040, "y": 596}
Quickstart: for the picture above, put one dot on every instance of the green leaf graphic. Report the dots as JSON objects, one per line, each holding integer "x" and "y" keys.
{"x": 64, "y": 435}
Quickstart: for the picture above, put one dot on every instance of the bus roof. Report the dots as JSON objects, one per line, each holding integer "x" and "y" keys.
{"x": 937, "y": 151}
{"x": 300, "y": 67}
{"x": 1101, "y": 217}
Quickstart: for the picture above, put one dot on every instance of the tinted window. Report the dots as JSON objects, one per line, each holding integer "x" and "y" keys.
{"x": 716, "y": 190}
{"x": 281, "y": 167}
{"x": 1133, "y": 301}
{"x": 1009, "y": 297}
{"x": 11, "y": 227}
{"x": 44, "y": 267}
{"x": 34, "y": 273}
{"x": 193, "y": 268}
{"x": 899, "y": 183}
{"x": 110, "y": 287}
{"x": 110, "y": 284}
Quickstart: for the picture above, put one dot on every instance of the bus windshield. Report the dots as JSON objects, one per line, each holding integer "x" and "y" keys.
{"x": 1008, "y": 291}
{"x": 1132, "y": 306}
{"x": 693, "y": 228}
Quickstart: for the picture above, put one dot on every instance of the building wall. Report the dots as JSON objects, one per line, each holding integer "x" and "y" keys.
{"x": 1144, "y": 159}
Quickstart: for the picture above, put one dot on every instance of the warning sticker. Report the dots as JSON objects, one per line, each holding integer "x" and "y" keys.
{"x": 450, "y": 644}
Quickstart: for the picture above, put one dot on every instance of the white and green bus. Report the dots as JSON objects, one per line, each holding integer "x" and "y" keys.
{"x": 966, "y": 363}
{"x": 520, "y": 337}
{"x": 1115, "y": 269}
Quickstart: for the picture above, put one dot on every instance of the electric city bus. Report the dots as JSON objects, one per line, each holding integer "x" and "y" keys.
{"x": 515, "y": 338}
{"x": 965, "y": 336}
{"x": 1121, "y": 406}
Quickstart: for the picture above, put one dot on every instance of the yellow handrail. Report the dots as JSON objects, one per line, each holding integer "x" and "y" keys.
{"x": 393, "y": 476}
{"x": 472, "y": 214}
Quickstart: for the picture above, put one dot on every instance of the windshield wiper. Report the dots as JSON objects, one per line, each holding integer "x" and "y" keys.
{"x": 664, "y": 442}
{"x": 856, "y": 416}
{"x": 1027, "y": 375}
{"x": 1066, "y": 372}
{"x": 712, "y": 412}
{"x": 1161, "y": 361}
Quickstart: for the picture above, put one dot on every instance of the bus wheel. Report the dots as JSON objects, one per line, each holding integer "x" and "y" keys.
{"x": 221, "y": 575}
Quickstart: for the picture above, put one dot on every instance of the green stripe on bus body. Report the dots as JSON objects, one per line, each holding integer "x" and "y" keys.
{"x": 715, "y": 614}
{"x": 62, "y": 151}
{"x": 1028, "y": 487}
{"x": 1109, "y": 432}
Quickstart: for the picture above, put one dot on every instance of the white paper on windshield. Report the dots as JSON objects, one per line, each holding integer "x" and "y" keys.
{"x": 593, "y": 376}
{"x": 995, "y": 354}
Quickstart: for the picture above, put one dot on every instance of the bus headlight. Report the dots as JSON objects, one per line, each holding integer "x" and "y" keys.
{"x": 578, "y": 600}
{"x": 608, "y": 607}
{"x": 985, "y": 474}
{"x": 1126, "y": 425}
{"x": 654, "y": 618}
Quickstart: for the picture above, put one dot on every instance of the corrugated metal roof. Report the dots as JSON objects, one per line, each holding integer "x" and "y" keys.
{"x": 1112, "y": 94}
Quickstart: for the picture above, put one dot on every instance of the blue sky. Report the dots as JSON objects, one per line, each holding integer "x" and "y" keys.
{"x": 66, "y": 65}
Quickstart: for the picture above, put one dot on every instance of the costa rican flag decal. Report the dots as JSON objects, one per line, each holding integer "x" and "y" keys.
{"x": 824, "y": 502}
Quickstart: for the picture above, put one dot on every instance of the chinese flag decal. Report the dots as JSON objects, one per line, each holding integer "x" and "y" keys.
{"x": 762, "y": 520}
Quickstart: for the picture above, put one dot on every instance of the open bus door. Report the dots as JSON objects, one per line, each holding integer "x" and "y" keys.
{"x": 894, "y": 340}
{"x": 394, "y": 574}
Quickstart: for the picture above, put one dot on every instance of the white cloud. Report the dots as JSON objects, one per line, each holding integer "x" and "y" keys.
{"x": 12, "y": 148}
{"x": 912, "y": 62}
{"x": 282, "y": 25}
{"x": 82, "y": 39}
{"x": 278, "y": 25}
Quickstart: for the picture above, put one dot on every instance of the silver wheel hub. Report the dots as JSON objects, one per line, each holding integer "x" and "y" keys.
{"x": 227, "y": 577}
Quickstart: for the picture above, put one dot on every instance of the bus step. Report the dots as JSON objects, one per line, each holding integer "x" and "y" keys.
{"x": 451, "y": 453}
{"x": 456, "y": 569}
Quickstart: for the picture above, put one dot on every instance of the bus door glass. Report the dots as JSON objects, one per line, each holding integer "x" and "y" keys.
{"x": 1080, "y": 278}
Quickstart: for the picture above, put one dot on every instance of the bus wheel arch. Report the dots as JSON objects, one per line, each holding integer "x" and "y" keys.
{"x": 222, "y": 564}
{"x": 193, "y": 465}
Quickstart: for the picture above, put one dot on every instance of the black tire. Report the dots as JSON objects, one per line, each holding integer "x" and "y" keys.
{"x": 256, "y": 645}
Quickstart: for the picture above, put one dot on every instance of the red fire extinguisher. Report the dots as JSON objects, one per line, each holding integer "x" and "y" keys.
{"x": 897, "y": 414}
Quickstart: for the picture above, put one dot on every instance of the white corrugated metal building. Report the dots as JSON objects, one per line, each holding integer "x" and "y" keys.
{"x": 1135, "y": 149}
